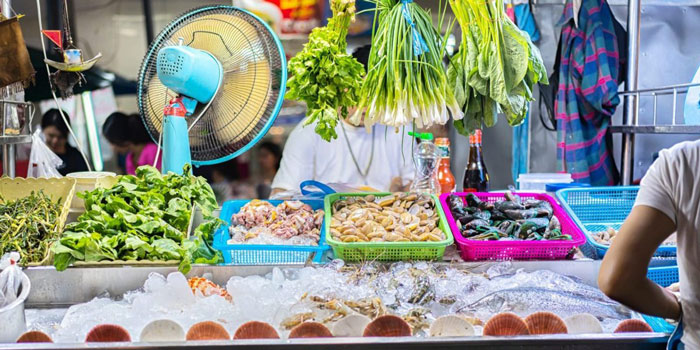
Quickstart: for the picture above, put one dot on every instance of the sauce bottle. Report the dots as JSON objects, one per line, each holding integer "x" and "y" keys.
{"x": 444, "y": 174}
{"x": 476, "y": 177}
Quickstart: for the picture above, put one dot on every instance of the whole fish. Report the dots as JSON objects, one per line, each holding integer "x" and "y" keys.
{"x": 527, "y": 300}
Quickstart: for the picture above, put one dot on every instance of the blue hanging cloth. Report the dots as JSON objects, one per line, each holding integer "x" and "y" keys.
{"x": 526, "y": 21}
{"x": 419, "y": 44}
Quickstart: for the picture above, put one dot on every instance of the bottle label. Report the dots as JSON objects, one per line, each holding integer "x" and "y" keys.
{"x": 444, "y": 151}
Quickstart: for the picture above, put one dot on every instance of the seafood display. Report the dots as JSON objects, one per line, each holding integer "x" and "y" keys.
{"x": 399, "y": 217}
{"x": 290, "y": 222}
{"x": 402, "y": 299}
{"x": 509, "y": 219}
{"x": 607, "y": 236}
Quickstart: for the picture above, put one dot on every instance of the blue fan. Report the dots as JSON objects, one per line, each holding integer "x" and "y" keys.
{"x": 211, "y": 85}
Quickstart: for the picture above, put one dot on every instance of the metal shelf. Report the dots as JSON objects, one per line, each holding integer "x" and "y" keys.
{"x": 11, "y": 140}
{"x": 656, "y": 129}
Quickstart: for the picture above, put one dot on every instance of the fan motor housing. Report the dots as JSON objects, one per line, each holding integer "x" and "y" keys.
{"x": 190, "y": 72}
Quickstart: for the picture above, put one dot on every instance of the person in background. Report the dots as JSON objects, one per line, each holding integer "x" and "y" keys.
{"x": 55, "y": 133}
{"x": 128, "y": 135}
{"x": 668, "y": 201}
{"x": 380, "y": 158}
{"x": 227, "y": 184}
{"x": 269, "y": 156}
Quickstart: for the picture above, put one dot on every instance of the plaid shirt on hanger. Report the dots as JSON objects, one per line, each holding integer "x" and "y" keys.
{"x": 587, "y": 94}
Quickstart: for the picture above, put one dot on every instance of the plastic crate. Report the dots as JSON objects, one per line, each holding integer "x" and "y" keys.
{"x": 663, "y": 276}
{"x": 594, "y": 209}
{"x": 258, "y": 254}
{"x": 386, "y": 251}
{"x": 473, "y": 250}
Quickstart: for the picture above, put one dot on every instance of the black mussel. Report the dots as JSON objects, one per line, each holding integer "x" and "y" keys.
{"x": 483, "y": 215}
{"x": 533, "y": 203}
{"x": 508, "y": 205}
{"x": 455, "y": 202}
{"x": 497, "y": 215}
{"x": 477, "y": 224}
{"x": 527, "y": 227}
{"x": 465, "y": 219}
{"x": 523, "y": 214}
{"x": 508, "y": 227}
{"x": 486, "y": 206}
{"x": 511, "y": 197}
{"x": 554, "y": 224}
{"x": 469, "y": 233}
{"x": 473, "y": 200}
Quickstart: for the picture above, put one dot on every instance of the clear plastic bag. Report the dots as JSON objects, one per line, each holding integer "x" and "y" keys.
{"x": 42, "y": 161}
{"x": 10, "y": 278}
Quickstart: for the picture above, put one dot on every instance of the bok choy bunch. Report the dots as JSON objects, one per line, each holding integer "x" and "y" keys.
{"x": 406, "y": 83}
{"x": 324, "y": 75}
{"x": 496, "y": 67}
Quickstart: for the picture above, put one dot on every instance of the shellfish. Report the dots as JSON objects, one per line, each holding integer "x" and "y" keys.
{"x": 107, "y": 333}
{"x": 162, "y": 331}
{"x": 387, "y": 326}
{"x": 351, "y": 326}
{"x": 505, "y": 324}
{"x": 545, "y": 323}
{"x": 451, "y": 326}
{"x": 583, "y": 324}
{"x": 207, "y": 330}
{"x": 256, "y": 330}
{"x": 34, "y": 337}
{"x": 632, "y": 326}
{"x": 310, "y": 330}
{"x": 207, "y": 288}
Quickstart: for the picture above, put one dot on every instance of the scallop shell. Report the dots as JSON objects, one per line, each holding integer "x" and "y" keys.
{"x": 633, "y": 326}
{"x": 106, "y": 333}
{"x": 310, "y": 330}
{"x": 207, "y": 330}
{"x": 545, "y": 323}
{"x": 351, "y": 326}
{"x": 451, "y": 326}
{"x": 34, "y": 337}
{"x": 388, "y": 326}
{"x": 506, "y": 324}
{"x": 162, "y": 331}
{"x": 256, "y": 330}
{"x": 583, "y": 324}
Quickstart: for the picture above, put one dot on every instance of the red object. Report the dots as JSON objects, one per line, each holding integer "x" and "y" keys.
{"x": 298, "y": 16}
{"x": 56, "y": 36}
{"x": 21, "y": 167}
{"x": 476, "y": 177}
{"x": 473, "y": 250}
{"x": 176, "y": 108}
{"x": 444, "y": 174}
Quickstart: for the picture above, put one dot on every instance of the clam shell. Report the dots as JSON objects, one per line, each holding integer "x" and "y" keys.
{"x": 256, "y": 330}
{"x": 310, "y": 330}
{"x": 34, "y": 337}
{"x": 545, "y": 323}
{"x": 387, "y": 326}
{"x": 506, "y": 324}
{"x": 106, "y": 333}
{"x": 162, "y": 331}
{"x": 451, "y": 326}
{"x": 207, "y": 330}
{"x": 583, "y": 324}
{"x": 351, "y": 326}
{"x": 633, "y": 326}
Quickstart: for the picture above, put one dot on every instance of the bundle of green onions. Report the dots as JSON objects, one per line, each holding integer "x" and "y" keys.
{"x": 324, "y": 75}
{"x": 496, "y": 67}
{"x": 406, "y": 83}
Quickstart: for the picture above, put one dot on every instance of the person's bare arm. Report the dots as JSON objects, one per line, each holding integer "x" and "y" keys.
{"x": 623, "y": 271}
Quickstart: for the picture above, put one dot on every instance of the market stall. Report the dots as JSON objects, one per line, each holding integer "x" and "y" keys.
{"x": 151, "y": 260}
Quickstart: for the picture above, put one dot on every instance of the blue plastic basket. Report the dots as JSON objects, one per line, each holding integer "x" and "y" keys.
{"x": 254, "y": 254}
{"x": 594, "y": 209}
{"x": 663, "y": 276}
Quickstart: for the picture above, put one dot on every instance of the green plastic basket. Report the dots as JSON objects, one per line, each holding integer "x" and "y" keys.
{"x": 386, "y": 251}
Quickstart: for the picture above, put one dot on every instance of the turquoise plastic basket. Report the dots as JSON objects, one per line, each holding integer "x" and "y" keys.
{"x": 594, "y": 209}
{"x": 663, "y": 276}
{"x": 257, "y": 254}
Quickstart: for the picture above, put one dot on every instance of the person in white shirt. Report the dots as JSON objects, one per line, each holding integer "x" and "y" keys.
{"x": 668, "y": 202}
{"x": 381, "y": 159}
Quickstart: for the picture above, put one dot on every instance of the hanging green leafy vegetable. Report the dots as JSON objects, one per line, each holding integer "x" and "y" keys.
{"x": 406, "y": 83}
{"x": 324, "y": 75}
{"x": 496, "y": 67}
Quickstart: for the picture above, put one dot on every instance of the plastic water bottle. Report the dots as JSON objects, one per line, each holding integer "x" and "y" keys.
{"x": 425, "y": 159}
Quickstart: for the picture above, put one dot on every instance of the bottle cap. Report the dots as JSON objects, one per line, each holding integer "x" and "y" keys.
{"x": 476, "y": 136}
{"x": 422, "y": 135}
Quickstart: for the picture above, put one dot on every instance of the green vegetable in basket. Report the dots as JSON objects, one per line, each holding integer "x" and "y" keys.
{"x": 28, "y": 225}
{"x": 142, "y": 217}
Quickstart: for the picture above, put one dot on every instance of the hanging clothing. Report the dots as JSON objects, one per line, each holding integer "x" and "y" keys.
{"x": 587, "y": 94}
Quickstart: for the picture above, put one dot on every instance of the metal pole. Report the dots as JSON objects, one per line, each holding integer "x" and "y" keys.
{"x": 8, "y": 160}
{"x": 5, "y": 6}
{"x": 631, "y": 112}
{"x": 148, "y": 19}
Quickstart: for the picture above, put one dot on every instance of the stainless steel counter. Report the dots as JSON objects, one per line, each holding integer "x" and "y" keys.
{"x": 52, "y": 289}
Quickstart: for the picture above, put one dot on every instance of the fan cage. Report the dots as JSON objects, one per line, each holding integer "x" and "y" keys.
{"x": 211, "y": 139}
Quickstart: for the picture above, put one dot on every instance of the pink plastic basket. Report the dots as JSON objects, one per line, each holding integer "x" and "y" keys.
{"x": 472, "y": 250}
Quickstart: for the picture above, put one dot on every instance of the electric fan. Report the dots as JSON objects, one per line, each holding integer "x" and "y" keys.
{"x": 211, "y": 85}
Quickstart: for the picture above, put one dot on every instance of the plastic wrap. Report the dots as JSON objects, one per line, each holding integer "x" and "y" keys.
{"x": 42, "y": 161}
{"x": 10, "y": 278}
